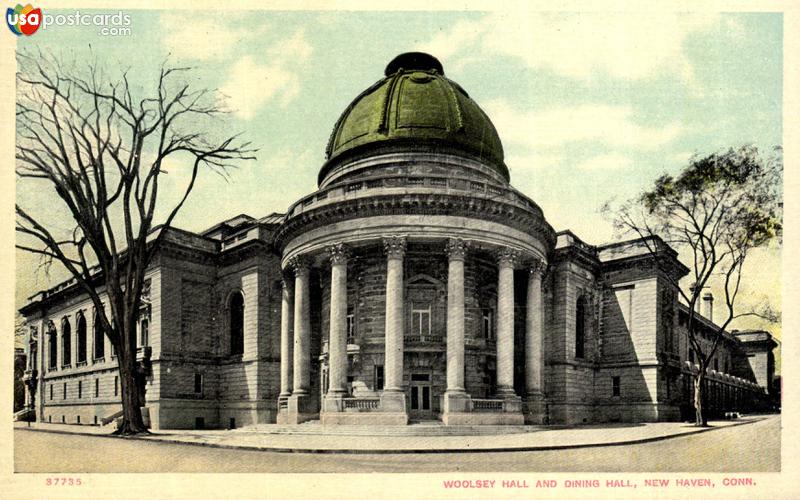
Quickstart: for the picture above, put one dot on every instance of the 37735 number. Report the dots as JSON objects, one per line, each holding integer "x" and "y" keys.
{"x": 63, "y": 481}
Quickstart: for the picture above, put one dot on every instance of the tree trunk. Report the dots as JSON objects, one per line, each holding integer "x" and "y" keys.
{"x": 132, "y": 422}
{"x": 700, "y": 419}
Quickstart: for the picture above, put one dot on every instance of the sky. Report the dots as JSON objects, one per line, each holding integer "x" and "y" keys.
{"x": 590, "y": 106}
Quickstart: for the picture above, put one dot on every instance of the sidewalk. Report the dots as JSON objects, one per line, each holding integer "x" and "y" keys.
{"x": 540, "y": 439}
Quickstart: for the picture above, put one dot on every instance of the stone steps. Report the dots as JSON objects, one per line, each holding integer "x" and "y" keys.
{"x": 433, "y": 429}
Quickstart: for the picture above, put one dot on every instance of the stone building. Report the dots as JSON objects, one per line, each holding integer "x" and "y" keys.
{"x": 415, "y": 284}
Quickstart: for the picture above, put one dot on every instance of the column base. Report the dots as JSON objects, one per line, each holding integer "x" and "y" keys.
{"x": 300, "y": 408}
{"x": 456, "y": 402}
{"x": 511, "y": 403}
{"x": 534, "y": 408}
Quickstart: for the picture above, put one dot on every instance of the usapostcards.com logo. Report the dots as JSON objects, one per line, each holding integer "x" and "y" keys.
{"x": 27, "y": 20}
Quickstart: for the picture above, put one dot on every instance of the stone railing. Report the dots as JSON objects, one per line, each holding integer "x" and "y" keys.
{"x": 361, "y": 404}
{"x": 487, "y": 405}
{"x": 340, "y": 191}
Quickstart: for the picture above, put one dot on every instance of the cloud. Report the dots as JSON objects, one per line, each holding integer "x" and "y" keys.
{"x": 200, "y": 38}
{"x": 561, "y": 125}
{"x": 629, "y": 46}
{"x": 252, "y": 84}
{"x": 611, "y": 161}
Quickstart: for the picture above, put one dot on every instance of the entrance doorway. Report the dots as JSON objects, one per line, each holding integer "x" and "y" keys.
{"x": 420, "y": 407}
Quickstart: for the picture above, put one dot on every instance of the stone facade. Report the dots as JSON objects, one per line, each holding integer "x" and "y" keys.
{"x": 415, "y": 284}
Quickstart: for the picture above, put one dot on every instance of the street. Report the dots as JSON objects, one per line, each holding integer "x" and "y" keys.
{"x": 744, "y": 448}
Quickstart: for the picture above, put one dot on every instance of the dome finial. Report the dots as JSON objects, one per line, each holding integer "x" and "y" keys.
{"x": 414, "y": 61}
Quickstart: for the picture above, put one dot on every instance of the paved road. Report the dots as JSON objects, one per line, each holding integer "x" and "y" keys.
{"x": 745, "y": 448}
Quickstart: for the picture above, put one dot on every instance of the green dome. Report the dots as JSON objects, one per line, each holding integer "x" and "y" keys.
{"x": 415, "y": 105}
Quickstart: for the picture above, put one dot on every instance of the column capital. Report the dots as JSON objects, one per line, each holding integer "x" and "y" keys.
{"x": 537, "y": 267}
{"x": 507, "y": 256}
{"x": 394, "y": 246}
{"x": 456, "y": 248}
{"x": 339, "y": 253}
{"x": 300, "y": 264}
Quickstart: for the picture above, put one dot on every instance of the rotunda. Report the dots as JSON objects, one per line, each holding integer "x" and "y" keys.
{"x": 411, "y": 267}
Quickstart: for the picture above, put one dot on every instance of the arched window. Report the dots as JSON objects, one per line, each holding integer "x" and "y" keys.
{"x": 81, "y": 326}
{"x": 66, "y": 342}
{"x": 99, "y": 338}
{"x": 236, "y": 323}
{"x": 52, "y": 357}
{"x": 144, "y": 333}
{"x": 580, "y": 327}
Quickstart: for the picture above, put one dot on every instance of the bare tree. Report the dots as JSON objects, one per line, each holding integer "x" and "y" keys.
{"x": 717, "y": 209}
{"x": 101, "y": 144}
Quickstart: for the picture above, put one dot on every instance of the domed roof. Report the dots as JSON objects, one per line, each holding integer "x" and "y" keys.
{"x": 415, "y": 105}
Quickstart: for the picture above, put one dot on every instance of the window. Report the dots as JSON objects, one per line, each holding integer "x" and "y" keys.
{"x": 199, "y": 423}
{"x": 615, "y": 386}
{"x": 51, "y": 392}
{"x": 52, "y": 345}
{"x": 80, "y": 389}
{"x": 66, "y": 343}
{"x": 421, "y": 319}
{"x": 691, "y": 355}
{"x": 99, "y": 339}
{"x": 379, "y": 380}
{"x": 81, "y": 326}
{"x": 351, "y": 325}
{"x": 144, "y": 333}
{"x": 487, "y": 324}
{"x": 198, "y": 383}
{"x": 236, "y": 325}
{"x": 716, "y": 365}
{"x": 232, "y": 424}
{"x": 116, "y": 385}
{"x": 727, "y": 366}
{"x": 64, "y": 394}
{"x": 580, "y": 327}
{"x": 97, "y": 387}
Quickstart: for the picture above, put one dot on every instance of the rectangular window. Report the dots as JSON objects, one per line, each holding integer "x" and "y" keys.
{"x": 691, "y": 356}
{"x": 351, "y": 326}
{"x": 51, "y": 392}
{"x": 116, "y": 385}
{"x": 421, "y": 320}
{"x": 378, "y": 377}
{"x": 198, "y": 383}
{"x": 64, "y": 394}
{"x": 716, "y": 365}
{"x": 488, "y": 327}
{"x": 144, "y": 333}
{"x": 615, "y": 386}
{"x": 97, "y": 387}
{"x": 80, "y": 389}
{"x": 199, "y": 423}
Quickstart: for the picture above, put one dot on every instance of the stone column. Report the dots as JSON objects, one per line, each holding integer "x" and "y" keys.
{"x": 300, "y": 406}
{"x": 287, "y": 359}
{"x": 393, "y": 398}
{"x": 337, "y": 341}
{"x": 506, "y": 260}
{"x": 302, "y": 326}
{"x": 456, "y": 399}
{"x": 534, "y": 345}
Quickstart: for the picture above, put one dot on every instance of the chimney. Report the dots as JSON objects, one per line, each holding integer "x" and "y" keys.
{"x": 708, "y": 306}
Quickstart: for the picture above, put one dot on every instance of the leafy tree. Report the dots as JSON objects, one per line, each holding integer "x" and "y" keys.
{"x": 100, "y": 144}
{"x": 717, "y": 210}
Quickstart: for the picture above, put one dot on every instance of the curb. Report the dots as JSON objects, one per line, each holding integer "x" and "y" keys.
{"x": 344, "y": 451}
